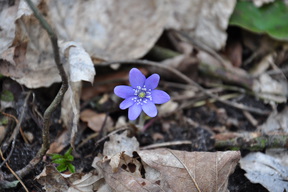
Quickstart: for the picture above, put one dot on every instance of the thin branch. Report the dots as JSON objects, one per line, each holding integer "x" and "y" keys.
{"x": 191, "y": 82}
{"x": 11, "y": 170}
{"x": 57, "y": 100}
{"x": 166, "y": 144}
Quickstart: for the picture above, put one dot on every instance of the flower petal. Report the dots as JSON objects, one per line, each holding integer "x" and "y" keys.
{"x": 124, "y": 91}
{"x": 128, "y": 102}
{"x": 159, "y": 97}
{"x": 152, "y": 81}
{"x": 134, "y": 111}
{"x": 150, "y": 109}
{"x": 136, "y": 78}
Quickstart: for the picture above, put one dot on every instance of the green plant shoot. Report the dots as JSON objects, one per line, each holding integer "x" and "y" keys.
{"x": 64, "y": 161}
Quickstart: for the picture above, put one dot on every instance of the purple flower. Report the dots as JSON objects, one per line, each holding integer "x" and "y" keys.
{"x": 141, "y": 95}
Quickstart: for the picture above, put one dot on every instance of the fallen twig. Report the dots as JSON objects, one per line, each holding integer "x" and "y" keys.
{"x": 166, "y": 144}
{"x": 253, "y": 142}
{"x": 11, "y": 170}
{"x": 57, "y": 100}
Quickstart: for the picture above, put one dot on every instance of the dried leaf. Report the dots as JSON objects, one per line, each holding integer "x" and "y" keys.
{"x": 266, "y": 170}
{"x": 119, "y": 143}
{"x": 270, "y": 90}
{"x": 209, "y": 170}
{"x": 84, "y": 184}
{"x": 206, "y": 21}
{"x": 95, "y": 120}
{"x": 276, "y": 123}
{"x": 53, "y": 181}
{"x": 81, "y": 67}
{"x": 123, "y": 180}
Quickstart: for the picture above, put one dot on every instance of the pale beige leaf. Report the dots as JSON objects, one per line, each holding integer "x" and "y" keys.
{"x": 276, "y": 123}
{"x": 120, "y": 143}
{"x": 266, "y": 170}
{"x": 85, "y": 184}
{"x": 110, "y": 29}
{"x": 81, "y": 67}
{"x": 206, "y": 20}
{"x": 270, "y": 90}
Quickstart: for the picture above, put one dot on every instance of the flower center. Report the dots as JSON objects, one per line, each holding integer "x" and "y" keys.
{"x": 142, "y": 95}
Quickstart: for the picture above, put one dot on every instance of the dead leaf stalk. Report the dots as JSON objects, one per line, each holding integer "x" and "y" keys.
{"x": 57, "y": 100}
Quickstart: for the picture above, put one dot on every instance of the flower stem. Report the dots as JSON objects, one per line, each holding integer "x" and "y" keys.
{"x": 141, "y": 122}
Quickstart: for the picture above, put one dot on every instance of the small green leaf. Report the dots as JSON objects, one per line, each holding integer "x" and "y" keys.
{"x": 62, "y": 168}
{"x": 270, "y": 18}
{"x": 7, "y": 96}
{"x": 68, "y": 152}
{"x": 69, "y": 158}
{"x": 56, "y": 156}
{"x": 71, "y": 167}
{"x": 60, "y": 161}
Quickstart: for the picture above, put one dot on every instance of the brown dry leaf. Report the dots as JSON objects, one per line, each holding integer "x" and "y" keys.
{"x": 170, "y": 170}
{"x": 60, "y": 142}
{"x": 95, "y": 120}
{"x": 209, "y": 170}
{"x": 164, "y": 169}
{"x": 53, "y": 181}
